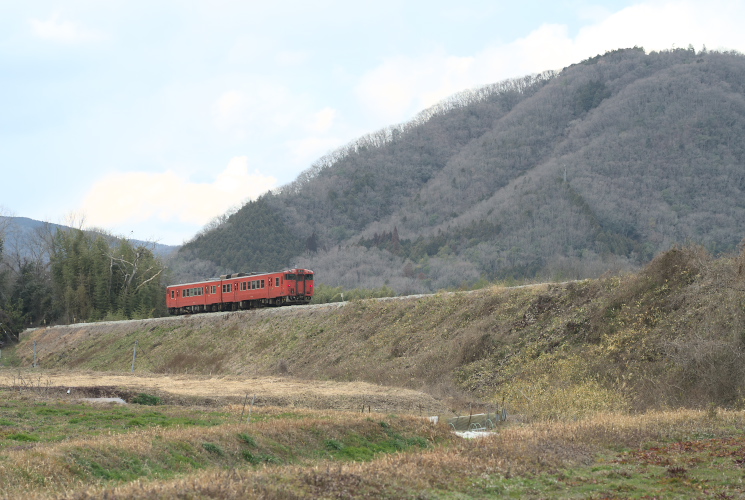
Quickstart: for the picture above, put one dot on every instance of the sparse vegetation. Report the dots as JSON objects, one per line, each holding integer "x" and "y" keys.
{"x": 320, "y": 454}
{"x": 588, "y": 370}
{"x": 563, "y": 175}
{"x": 668, "y": 336}
{"x": 146, "y": 399}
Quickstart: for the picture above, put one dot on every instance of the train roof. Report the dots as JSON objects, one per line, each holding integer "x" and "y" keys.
{"x": 239, "y": 275}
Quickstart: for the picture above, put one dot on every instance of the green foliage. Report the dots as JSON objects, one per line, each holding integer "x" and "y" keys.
{"x": 334, "y": 445}
{"x": 22, "y": 436}
{"x": 248, "y": 439}
{"x": 146, "y": 399}
{"x": 213, "y": 448}
{"x": 589, "y": 96}
{"x": 95, "y": 278}
{"x": 259, "y": 458}
{"x": 256, "y": 238}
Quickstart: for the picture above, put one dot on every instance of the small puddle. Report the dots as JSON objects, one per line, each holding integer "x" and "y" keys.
{"x": 104, "y": 400}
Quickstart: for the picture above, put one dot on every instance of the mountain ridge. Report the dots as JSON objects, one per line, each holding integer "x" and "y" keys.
{"x": 597, "y": 167}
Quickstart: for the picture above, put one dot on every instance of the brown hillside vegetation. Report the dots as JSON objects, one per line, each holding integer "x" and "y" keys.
{"x": 566, "y": 174}
{"x": 672, "y": 335}
{"x": 589, "y": 371}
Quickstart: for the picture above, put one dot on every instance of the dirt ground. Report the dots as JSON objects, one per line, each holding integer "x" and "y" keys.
{"x": 268, "y": 391}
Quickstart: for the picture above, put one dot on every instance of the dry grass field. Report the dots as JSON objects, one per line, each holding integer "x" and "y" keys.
{"x": 623, "y": 387}
{"x": 224, "y": 390}
{"x": 56, "y": 448}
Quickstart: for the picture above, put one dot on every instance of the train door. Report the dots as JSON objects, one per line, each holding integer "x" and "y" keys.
{"x": 301, "y": 284}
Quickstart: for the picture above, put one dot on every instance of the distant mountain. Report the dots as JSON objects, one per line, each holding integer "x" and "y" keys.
{"x": 565, "y": 174}
{"x": 21, "y": 235}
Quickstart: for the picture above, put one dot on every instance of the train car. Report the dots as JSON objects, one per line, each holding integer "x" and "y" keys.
{"x": 232, "y": 292}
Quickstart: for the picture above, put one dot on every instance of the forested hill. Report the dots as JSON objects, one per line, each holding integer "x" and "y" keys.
{"x": 565, "y": 174}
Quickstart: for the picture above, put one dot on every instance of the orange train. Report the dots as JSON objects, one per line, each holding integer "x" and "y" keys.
{"x": 232, "y": 292}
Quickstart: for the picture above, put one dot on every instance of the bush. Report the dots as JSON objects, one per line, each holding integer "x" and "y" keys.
{"x": 249, "y": 440}
{"x": 146, "y": 399}
{"x": 213, "y": 448}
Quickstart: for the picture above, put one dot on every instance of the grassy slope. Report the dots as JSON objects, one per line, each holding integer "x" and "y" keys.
{"x": 671, "y": 335}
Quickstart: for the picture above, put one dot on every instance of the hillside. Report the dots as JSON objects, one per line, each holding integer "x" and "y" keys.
{"x": 672, "y": 335}
{"x": 567, "y": 174}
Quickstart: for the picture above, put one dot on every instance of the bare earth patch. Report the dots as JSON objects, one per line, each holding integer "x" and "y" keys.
{"x": 269, "y": 391}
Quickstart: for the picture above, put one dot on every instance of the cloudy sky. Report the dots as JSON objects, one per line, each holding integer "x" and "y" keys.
{"x": 149, "y": 118}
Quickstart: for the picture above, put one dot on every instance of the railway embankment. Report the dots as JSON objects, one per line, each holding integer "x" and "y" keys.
{"x": 670, "y": 335}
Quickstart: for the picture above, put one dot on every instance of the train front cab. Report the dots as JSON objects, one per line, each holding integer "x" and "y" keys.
{"x": 299, "y": 284}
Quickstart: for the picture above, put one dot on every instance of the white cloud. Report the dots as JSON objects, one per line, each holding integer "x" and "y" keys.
{"x": 323, "y": 120}
{"x": 229, "y": 109}
{"x": 401, "y": 86}
{"x": 134, "y": 197}
{"x": 58, "y": 30}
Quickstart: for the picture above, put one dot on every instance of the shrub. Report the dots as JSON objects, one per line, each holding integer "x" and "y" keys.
{"x": 146, "y": 399}
{"x": 249, "y": 440}
{"x": 213, "y": 448}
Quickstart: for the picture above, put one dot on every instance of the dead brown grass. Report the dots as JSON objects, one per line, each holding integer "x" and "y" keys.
{"x": 672, "y": 335}
{"x": 524, "y": 450}
{"x": 269, "y": 391}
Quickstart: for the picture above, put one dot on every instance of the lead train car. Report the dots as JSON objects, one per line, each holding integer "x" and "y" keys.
{"x": 232, "y": 292}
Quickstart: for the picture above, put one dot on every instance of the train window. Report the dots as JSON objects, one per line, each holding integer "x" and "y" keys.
{"x": 308, "y": 277}
{"x": 243, "y": 285}
{"x": 214, "y": 288}
{"x": 277, "y": 282}
{"x": 262, "y": 283}
{"x": 227, "y": 288}
{"x": 173, "y": 294}
{"x": 290, "y": 277}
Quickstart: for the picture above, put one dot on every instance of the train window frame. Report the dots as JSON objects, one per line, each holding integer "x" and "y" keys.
{"x": 262, "y": 283}
{"x": 277, "y": 282}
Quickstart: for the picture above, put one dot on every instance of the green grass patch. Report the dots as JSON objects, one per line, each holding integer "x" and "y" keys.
{"x": 248, "y": 439}
{"x": 259, "y": 458}
{"x": 214, "y": 449}
{"x": 146, "y": 399}
{"x": 22, "y": 436}
{"x": 59, "y": 420}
